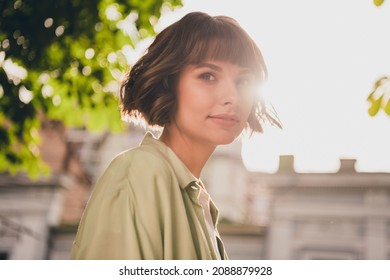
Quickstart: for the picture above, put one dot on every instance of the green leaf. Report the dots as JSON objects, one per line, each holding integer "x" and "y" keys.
{"x": 387, "y": 107}
{"x": 116, "y": 124}
{"x": 67, "y": 85}
{"x": 378, "y": 2}
{"x": 375, "y": 106}
{"x": 371, "y": 96}
{"x": 97, "y": 120}
{"x": 3, "y": 162}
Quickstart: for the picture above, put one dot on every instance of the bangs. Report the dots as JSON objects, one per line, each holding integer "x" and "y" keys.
{"x": 220, "y": 41}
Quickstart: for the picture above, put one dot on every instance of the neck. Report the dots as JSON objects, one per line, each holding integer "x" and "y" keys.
{"x": 192, "y": 153}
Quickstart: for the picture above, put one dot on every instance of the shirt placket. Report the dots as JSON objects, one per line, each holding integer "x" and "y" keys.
{"x": 194, "y": 195}
{"x": 214, "y": 215}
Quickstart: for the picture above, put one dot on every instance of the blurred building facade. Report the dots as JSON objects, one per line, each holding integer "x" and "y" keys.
{"x": 27, "y": 212}
{"x": 30, "y": 211}
{"x": 286, "y": 215}
{"x": 343, "y": 215}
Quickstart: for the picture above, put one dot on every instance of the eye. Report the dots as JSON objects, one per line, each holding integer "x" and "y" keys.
{"x": 246, "y": 81}
{"x": 207, "y": 76}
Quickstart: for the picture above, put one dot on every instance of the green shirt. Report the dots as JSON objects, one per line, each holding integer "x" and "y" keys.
{"x": 145, "y": 206}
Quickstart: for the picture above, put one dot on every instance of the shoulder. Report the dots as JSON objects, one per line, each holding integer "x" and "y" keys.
{"x": 137, "y": 173}
{"x": 139, "y": 158}
{"x": 139, "y": 166}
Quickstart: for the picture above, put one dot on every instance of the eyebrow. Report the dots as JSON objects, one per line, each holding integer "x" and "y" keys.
{"x": 210, "y": 65}
{"x": 217, "y": 68}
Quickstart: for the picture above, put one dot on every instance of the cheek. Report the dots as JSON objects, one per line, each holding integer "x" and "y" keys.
{"x": 189, "y": 102}
{"x": 196, "y": 100}
{"x": 188, "y": 108}
{"x": 247, "y": 105}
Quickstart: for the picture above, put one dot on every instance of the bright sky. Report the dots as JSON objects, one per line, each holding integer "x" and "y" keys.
{"x": 323, "y": 58}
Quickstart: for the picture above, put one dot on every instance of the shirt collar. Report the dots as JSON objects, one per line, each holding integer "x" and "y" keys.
{"x": 182, "y": 173}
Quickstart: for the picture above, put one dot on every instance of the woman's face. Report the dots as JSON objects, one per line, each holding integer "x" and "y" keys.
{"x": 214, "y": 100}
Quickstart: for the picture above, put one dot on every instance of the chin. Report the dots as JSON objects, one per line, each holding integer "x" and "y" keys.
{"x": 225, "y": 140}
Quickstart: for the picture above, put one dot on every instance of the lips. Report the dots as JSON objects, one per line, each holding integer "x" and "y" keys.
{"x": 225, "y": 119}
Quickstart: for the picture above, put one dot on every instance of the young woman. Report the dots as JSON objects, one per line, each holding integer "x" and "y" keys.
{"x": 197, "y": 81}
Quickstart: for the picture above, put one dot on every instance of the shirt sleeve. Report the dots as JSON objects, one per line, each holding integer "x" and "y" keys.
{"x": 122, "y": 219}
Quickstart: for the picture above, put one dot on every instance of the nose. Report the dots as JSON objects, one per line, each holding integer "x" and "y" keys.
{"x": 229, "y": 93}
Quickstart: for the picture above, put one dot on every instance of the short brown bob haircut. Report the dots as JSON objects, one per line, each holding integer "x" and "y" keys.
{"x": 149, "y": 90}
